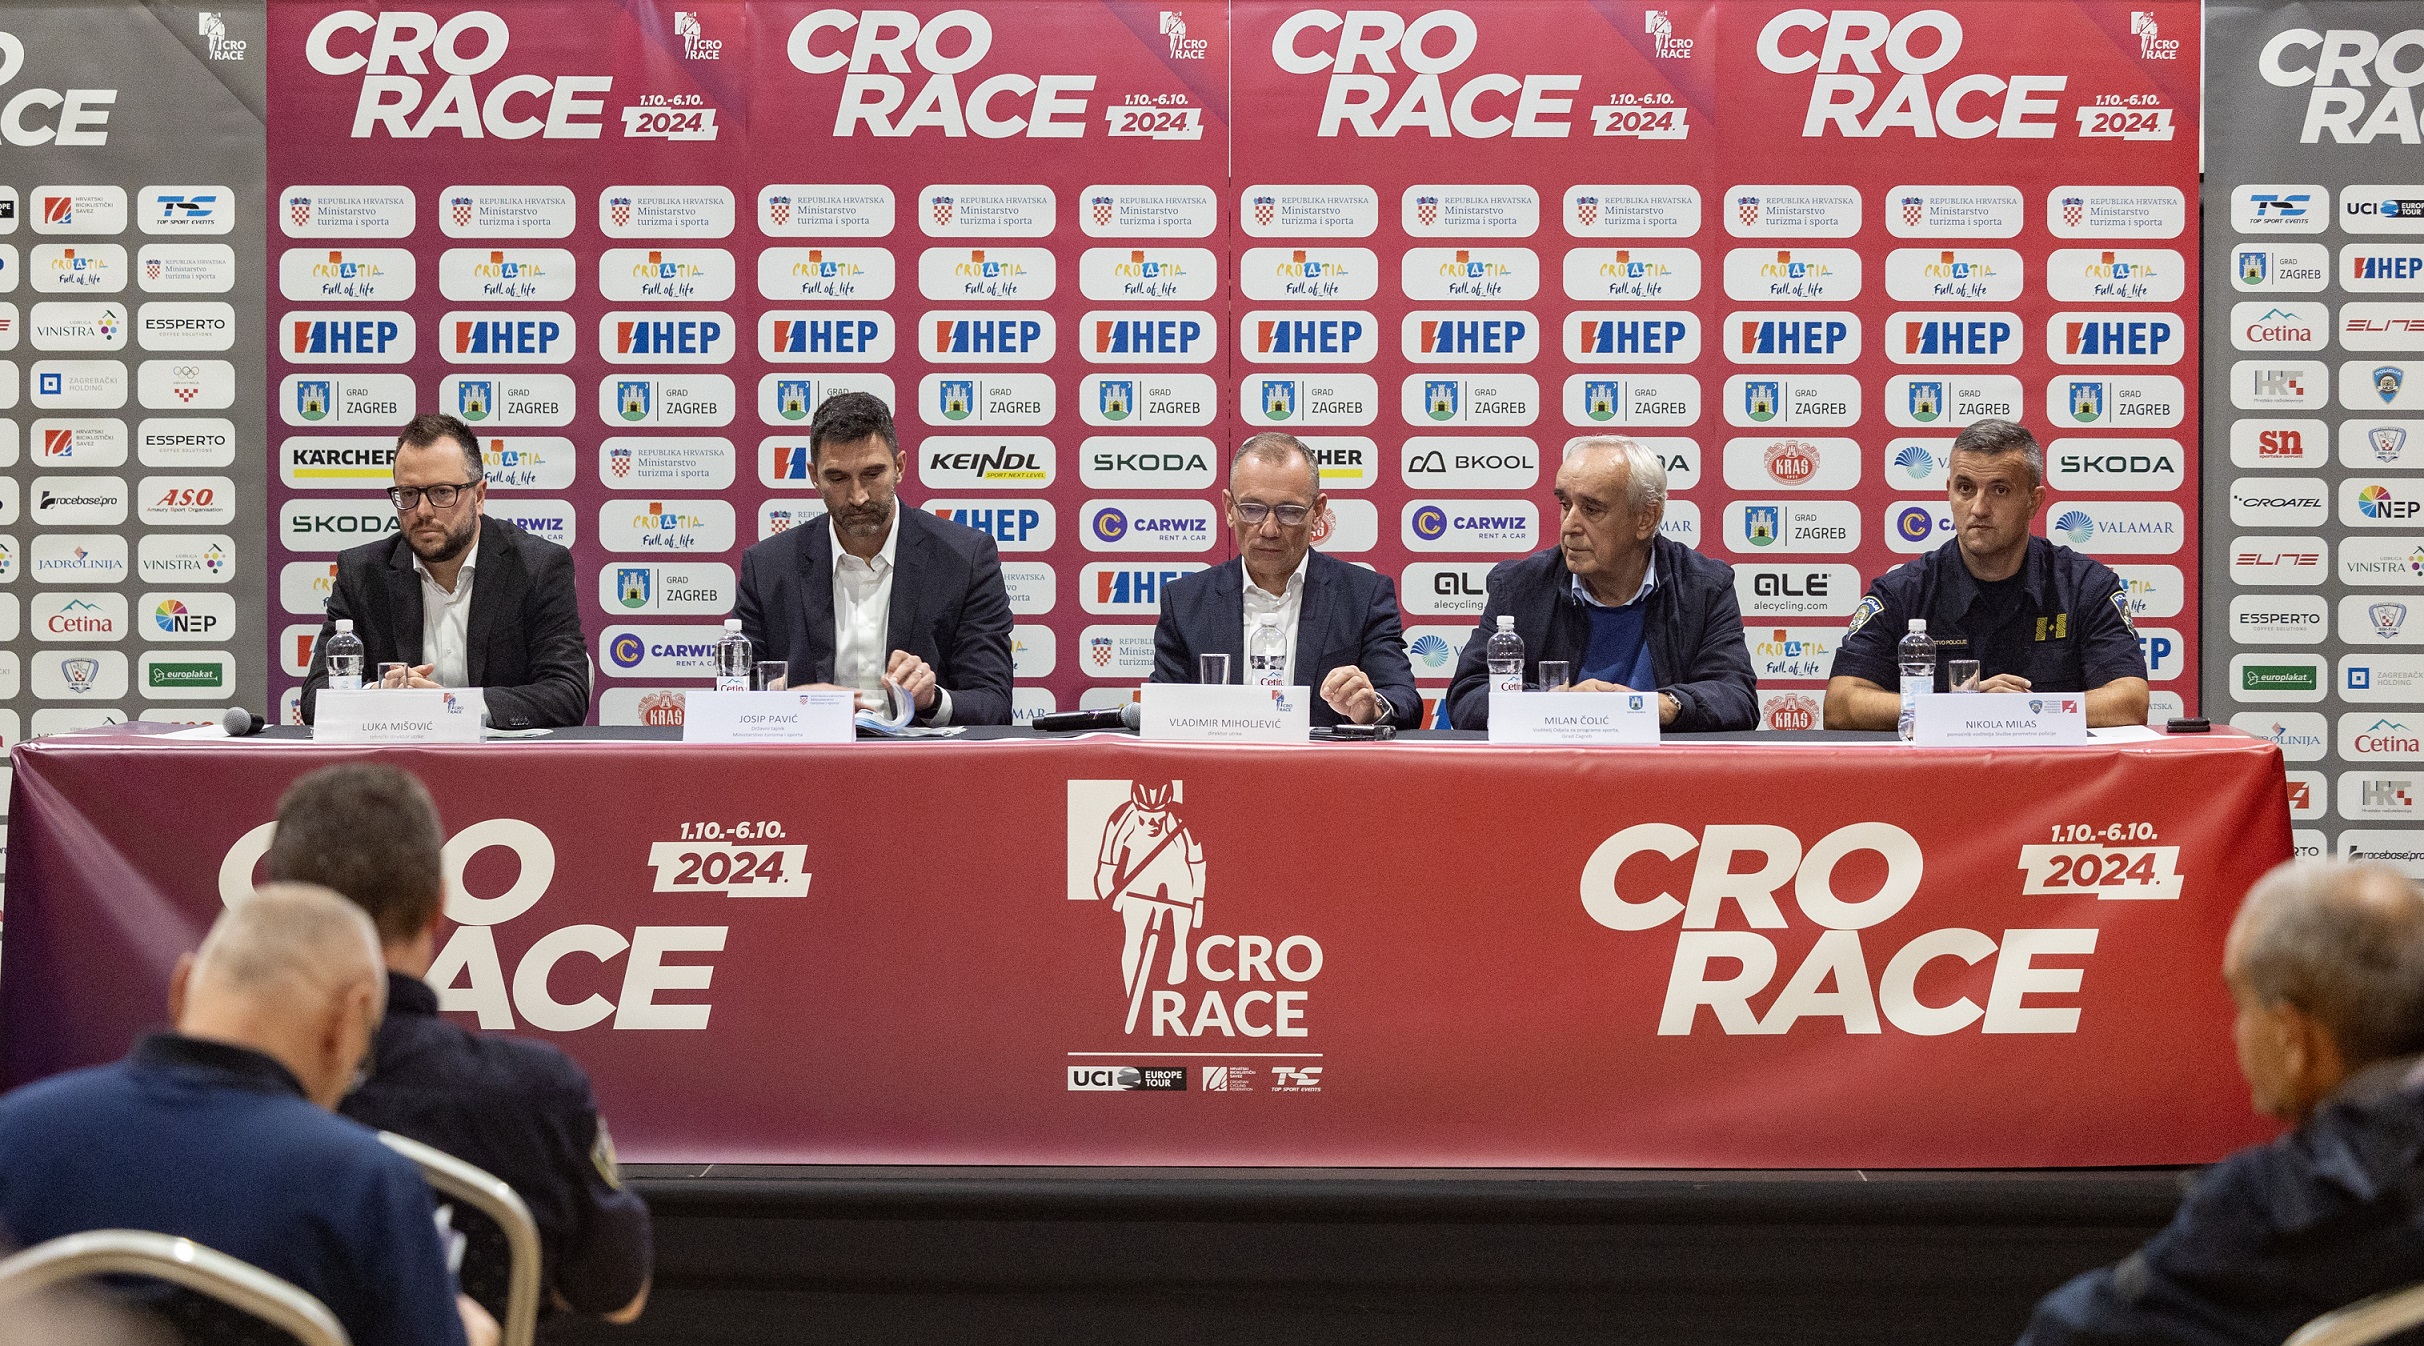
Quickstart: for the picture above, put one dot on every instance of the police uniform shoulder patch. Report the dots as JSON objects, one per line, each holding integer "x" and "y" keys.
{"x": 2120, "y": 601}
{"x": 601, "y": 1155}
{"x": 1869, "y": 607}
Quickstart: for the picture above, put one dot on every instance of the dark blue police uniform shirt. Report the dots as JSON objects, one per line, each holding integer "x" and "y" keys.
{"x": 2062, "y": 622}
{"x": 216, "y": 1143}
{"x": 522, "y": 1111}
{"x": 2272, "y": 1236}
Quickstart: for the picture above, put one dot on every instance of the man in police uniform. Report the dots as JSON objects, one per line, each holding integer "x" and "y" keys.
{"x": 2036, "y": 617}
{"x": 520, "y": 1110}
{"x": 2326, "y": 964}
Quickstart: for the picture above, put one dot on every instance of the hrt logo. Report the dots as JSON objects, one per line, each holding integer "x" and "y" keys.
{"x": 1129, "y": 844}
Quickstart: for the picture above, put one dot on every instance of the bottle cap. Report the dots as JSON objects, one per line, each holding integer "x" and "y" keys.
{"x": 344, "y": 625}
{"x": 732, "y": 623}
{"x": 1506, "y": 621}
{"x": 1918, "y": 623}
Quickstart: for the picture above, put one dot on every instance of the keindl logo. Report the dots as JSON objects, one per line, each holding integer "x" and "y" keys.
{"x": 664, "y": 960}
{"x": 1417, "y": 52}
{"x": 1721, "y": 970}
{"x": 1130, "y": 844}
{"x": 696, "y": 45}
{"x": 2358, "y": 59}
{"x": 1919, "y": 45}
{"x": 1036, "y": 105}
{"x": 352, "y": 42}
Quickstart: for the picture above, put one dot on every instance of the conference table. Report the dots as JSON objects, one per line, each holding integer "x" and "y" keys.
{"x": 1733, "y": 951}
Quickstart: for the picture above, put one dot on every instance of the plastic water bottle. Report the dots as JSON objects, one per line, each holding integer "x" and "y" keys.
{"x": 732, "y": 657}
{"x": 1267, "y": 654}
{"x": 1918, "y": 656}
{"x": 345, "y": 658}
{"x": 1506, "y": 657}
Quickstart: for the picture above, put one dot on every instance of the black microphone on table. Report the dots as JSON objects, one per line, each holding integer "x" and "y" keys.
{"x": 241, "y": 723}
{"x": 1127, "y": 716}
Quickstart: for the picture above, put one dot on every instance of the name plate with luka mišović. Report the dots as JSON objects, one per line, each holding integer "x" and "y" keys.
{"x": 399, "y": 715}
{"x": 1186, "y": 712}
{"x": 1574, "y": 717}
{"x": 2001, "y": 719}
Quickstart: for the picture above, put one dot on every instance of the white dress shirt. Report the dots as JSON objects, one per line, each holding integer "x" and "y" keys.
{"x": 862, "y": 617}
{"x": 446, "y": 623}
{"x": 1289, "y": 603}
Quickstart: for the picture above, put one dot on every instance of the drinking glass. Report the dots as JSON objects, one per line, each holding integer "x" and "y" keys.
{"x": 770, "y": 675}
{"x": 1962, "y": 675}
{"x": 1212, "y": 668}
{"x": 1555, "y": 673}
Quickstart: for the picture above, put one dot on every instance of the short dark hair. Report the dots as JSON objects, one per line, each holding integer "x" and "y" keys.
{"x": 436, "y": 427}
{"x": 369, "y": 832}
{"x": 1994, "y": 437}
{"x": 847, "y": 418}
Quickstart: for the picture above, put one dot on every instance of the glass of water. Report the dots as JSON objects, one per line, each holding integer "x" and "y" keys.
{"x": 1962, "y": 674}
{"x": 1213, "y": 668}
{"x": 1555, "y": 673}
{"x": 395, "y": 675}
{"x": 770, "y": 675}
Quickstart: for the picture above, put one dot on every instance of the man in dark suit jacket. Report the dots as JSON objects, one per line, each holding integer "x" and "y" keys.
{"x": 1346, "y": 643}
{"x": 469, "y": 601}
{"x": 1628, "y": 608}
{"x": 872, "y": 594}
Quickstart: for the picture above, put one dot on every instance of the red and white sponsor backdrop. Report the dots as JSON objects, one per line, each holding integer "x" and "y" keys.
{"x": 1085, "y": 247}
{"x": 1543, "y": 957}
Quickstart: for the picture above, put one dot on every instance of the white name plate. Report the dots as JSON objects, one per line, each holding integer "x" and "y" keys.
{"x": 2001, "y": 719}
{"x": 1573, "y": 717}
{"x": 416, "y": 715}
{"x": 1187, "y": 712}
{"x": 769, "y": 717}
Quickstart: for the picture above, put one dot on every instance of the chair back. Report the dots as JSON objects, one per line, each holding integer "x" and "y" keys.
{"x": 2368, "y": 1320}
{"x": 493, "y": 1197}
{"x": 181, "y": 1262}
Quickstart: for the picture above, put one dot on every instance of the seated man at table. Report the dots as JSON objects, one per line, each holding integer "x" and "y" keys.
{"x": 1630, "y": 609}
{"x": 2326, "y": 963}
{"x": 1339, "y": 621}
{"x": 516, "y": 633}
{"x": 2036, "y": 617}
{"x": 521, "y": 1110}
{"x": 870, "y": 593}
{"x": 222, "y": 1131}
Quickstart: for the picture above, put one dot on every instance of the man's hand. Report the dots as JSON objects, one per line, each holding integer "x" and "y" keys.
{"x": 2004, "y": 682}
{"x": 1349, "y": 691}
{"x": 417, "y": 677}
{"x": 863, "y": 700}
{"x": 478, "y": 1327}
{"x": 915, "y": 676}
{"x": 1668, "y": 707}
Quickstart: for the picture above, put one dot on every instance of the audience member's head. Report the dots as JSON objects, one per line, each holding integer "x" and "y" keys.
{"x": 371, "y": 833}
{"x": 292, "y": 972}
{"x": 2326, "y": 962}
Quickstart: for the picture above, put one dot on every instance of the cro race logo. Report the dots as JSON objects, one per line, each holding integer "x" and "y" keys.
{"x": 1721, "y": 970}
{"x": 470, "y": 975}
{"x": 1844, "y": 46}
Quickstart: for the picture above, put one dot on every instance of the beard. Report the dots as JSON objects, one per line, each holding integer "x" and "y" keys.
{"x": 447, "y": 548}
{"x": 870, "y": 521}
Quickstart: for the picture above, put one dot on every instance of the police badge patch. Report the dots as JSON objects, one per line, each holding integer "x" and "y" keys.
{"x": 2121, "y": 605}
{"x": 1869, "y": 607}
{"x": 601, "y": 1155}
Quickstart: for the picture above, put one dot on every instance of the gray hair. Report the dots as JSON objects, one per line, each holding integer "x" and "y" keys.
{"x": 1645, "y": 483}
{"x": 2342, "y": 942}
{"x": 1994, "y": 437}
{"x": 1276, "y": 449}
{"x": 290, "y": 942}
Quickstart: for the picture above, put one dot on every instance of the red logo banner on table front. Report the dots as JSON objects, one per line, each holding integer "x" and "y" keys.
{"x": 1084, "y": 247}
{"x": 1723, "y": 956}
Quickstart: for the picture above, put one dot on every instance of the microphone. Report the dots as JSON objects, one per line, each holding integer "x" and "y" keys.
{"x": 1126, "y": 716}
{"x": 240, "y": 723}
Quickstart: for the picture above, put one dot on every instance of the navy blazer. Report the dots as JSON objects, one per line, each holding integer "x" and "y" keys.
{"x": 524, "y": 643}
{"x": 1694, "y": 625}
{"x": 1349, "y": 616}
{"x": 949, "y": 608}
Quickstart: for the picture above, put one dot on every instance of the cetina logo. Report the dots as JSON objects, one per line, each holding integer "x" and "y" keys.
{"x": 1131, "y": 843}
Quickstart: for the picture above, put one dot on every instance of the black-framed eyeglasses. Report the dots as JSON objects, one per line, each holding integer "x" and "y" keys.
{"x": 442, "y": 496}
{"x": 1290, "y": 516}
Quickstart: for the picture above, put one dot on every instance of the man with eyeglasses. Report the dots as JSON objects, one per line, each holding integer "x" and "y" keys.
{"x": 1339, "y": 622}
{"x": 465, "y": 600}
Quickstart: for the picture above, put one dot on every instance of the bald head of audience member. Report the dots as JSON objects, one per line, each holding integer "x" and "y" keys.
{"x": 370, "y": 832}
{"x": 2326, "y": 962}
{"x": 292, "y": 972}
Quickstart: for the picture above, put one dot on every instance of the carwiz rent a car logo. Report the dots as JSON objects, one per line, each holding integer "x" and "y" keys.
{"x": 1869, "y": 975}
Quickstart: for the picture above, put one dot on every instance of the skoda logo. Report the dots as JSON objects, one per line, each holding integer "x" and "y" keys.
{"x": 1430, "y": 522}
{"x": 1110, "y": 525}
{"x": 627, "y": 651}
